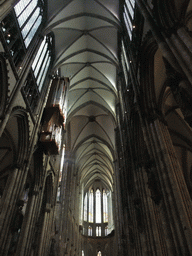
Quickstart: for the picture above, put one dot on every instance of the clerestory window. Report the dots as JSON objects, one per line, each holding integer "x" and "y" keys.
{"x": 85, "y": 208}
{"x": 91, "y": 206}
{"x": 42, "y": 61}
{"x": 89, "y": 231}
{"x": 96, "y": 212}
{"x": 36, "y": 77}
{"x": 128, "y": 16}
{"x": 18, "y": 35}
{"x": 106, "y": 231}
{"x": 98, "y": 206}
{"x": 105, "y": 207}
{"x": 125, "y": 63}
{"x": 29, "y": 17}
{"x": 98, "y": 231}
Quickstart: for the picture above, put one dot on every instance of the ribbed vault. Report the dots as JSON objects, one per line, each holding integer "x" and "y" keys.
{"x": 86, "y": 52}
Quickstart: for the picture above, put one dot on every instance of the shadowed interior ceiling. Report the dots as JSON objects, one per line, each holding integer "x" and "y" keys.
{"x": 86, "y": 52}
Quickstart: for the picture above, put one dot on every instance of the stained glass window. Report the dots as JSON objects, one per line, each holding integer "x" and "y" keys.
{"x": 106, "y": 231}
{"x": 89, "y": 231}
{"x": 105, "y": 207}
{"x": 98, "y": 206}
{"x": 91, "y": 206}
{"x": 98, "y": 231}
{"x": 85, "y": 207}
{"x": 41, "y": 62}
{"x": 125, "y": 63}
{"x": 29, "y": 17}
{"x": 129, "y": 16}
{"x": 96, "y": 211}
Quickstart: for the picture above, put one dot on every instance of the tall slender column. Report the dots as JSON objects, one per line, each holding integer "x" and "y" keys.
{"x": 32, "y": 224}
{"x": 10, "y": 197}
{"x": 26, "y": 225}
{"x": 172, "y": 186}
{"x": 43, "y": 231}
{"x": 65, "y": 201}
{"x": 117, "y": 207}
{"x": 48, "y": 233}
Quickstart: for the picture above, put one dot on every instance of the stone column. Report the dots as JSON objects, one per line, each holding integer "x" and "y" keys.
{"x": 44, "y": 229}
{"x": 117, "y": 208}
{"x": 10, "y": 198}
{"x": 32, "y": 225}
{"x": 25, "y": 231}
{"x": 65, "y": 200}
{"x": 176, "y": 199}
{"x": 48, "y": 233}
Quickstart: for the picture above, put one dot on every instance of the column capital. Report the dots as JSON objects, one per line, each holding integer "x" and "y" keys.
{"x": 48, "y": 208}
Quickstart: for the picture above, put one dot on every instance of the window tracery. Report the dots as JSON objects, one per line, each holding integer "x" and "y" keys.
{"x": 35, "y": 80}
{"x": 91, "y": 206}
{"x": 96, "y": 212}
{"x": 85, "y": 208}
{"x": 128, "y": 16}
{"x": 29, "y": 16}
{"x": 89, "y": 231}
{"x": 98, "y": 206}
{"x": 105, "y": 208}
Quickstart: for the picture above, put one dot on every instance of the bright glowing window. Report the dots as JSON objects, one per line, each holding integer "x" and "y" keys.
{"x": 83, "y": 253}
{"x": 41, "y": 62}
{"x": 29, "y": 17}
{"x": 23, "y": 9}
{"x": 98, "y": 231}
{"x": 105, "y": 207}
{"x": 89, "y": 231}
{"x": 128, "y": 15}
{"x": 124, "y": 61}
{"x": 42, "y": 52}
{"x": 43, "y": 73}
{"x": 37, "y": 57}
{"x": 98, "y": 206}
{"x": 106, "y": 231}
{"x": 91, "y": 206}
{"x": 85, "y": 208}
{"x": 99, "y": 253}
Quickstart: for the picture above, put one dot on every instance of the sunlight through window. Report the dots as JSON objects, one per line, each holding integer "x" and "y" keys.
{"x": 91, "y": 206}
{"x": 105, "y": 207}
{"x": 98, "y": 206}
{"x": 85, "y": 208}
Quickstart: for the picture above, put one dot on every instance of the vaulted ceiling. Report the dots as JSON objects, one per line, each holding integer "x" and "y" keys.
{"x": 86, "y": 51}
